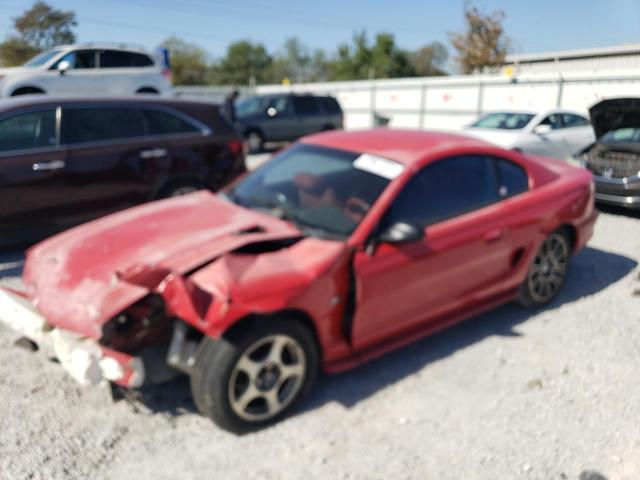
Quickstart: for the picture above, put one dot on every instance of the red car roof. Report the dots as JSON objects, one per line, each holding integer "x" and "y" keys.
{"x": 404, "y": 146}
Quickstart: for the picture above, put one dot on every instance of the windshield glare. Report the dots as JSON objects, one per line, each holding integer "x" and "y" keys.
{"x": 504, "y": 121}
{"x": 319, "y": 189}
{"x": 42, "y": 58}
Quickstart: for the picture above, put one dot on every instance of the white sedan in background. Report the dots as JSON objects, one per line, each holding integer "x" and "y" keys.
{"x": 553, "y": 133}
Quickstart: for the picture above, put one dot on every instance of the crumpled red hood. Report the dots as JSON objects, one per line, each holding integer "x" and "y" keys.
{"x": 72, "y": 278}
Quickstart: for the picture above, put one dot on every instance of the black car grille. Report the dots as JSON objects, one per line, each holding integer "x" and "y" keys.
{"x": 612, "y": 164}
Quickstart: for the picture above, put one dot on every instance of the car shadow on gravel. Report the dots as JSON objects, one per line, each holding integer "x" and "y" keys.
{"x": 620, "y": 211}
{"x": 591, "y": 271}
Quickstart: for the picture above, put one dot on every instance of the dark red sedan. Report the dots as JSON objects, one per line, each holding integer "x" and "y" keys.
{"x": 341, "y": 248}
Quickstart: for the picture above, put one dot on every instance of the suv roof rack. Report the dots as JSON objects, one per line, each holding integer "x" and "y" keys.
{"x": 122, "y": 45}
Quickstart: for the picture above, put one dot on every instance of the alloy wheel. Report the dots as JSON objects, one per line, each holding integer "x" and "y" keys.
{"x": 267, "y": 378}
{"x": 548, "y": 269}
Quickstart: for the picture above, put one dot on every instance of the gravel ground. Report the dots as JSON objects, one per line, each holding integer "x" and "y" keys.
{"x": 549, "y": 394}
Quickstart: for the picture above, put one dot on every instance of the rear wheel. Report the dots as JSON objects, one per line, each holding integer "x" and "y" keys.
{"x": 547, "y": 272}
{"x": 180, "y": 188}
{"x": 255, "y": 141}
{"x": 27, "y": 91}
{"x": 147, "y": 91}
{"x": 248, "y": 380}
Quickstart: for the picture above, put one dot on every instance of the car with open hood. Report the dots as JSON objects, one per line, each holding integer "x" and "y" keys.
{"x": 341, "y": 248}
{"x": 614, "y": 159}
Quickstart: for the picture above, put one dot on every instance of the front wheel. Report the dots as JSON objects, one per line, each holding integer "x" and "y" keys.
{"x": 252, "y": 378}
{"x": 547, "y": 272}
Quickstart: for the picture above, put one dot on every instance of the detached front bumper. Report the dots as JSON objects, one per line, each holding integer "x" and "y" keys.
{"x": 84, "y": 359}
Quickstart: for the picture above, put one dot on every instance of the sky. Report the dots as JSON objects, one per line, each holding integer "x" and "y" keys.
{"x": 534, "y": 26}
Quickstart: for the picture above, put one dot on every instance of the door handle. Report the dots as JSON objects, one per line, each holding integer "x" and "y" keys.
{"x": 494, "y": 235}
{"x": 154, "y": 153}
{"x": 52, "y": 165}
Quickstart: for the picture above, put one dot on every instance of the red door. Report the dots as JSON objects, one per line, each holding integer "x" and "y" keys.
{"x": 460, "y": 261}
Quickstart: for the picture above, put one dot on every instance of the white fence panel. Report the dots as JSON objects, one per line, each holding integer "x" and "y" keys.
{"x": 450, "y": 102}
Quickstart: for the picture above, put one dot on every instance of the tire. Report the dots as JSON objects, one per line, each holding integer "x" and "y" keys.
{"x": 27, "y": 91}
{"x": 238, "y": 380}
{"x": 180, "y": 188}
{"x": 147, "y": 91}
{"x": 547, "y": 272}
{"x": 255, "y": 141}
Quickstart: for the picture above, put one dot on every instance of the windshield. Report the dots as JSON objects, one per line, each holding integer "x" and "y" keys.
{"x": 325, "y": 192}
{"x": 503, "y": 121}
{"x": 250, "y": 106}
{"x": 622, "y": 135}
{"x": 42, "y": 58}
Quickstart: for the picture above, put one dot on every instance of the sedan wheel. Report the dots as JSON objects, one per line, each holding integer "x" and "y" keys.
{"x": 547, "y": 272}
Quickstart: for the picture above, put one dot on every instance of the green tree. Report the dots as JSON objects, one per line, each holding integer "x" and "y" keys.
{"x": 383, "y": 59}
{"x": 245, "y": 62}
{"x": 189, "y": 62}
{"x": 484, "y": 43}
{"x": 39, "y": 28}
{"x": 429, "y": 61}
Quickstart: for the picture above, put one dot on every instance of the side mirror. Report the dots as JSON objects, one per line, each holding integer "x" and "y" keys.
{"x": 401, "y": 232}
{"x": 542, "y": 130}
{"x": 63, "y": 66}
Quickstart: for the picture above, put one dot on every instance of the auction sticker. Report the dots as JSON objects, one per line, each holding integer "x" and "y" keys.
{"x": 382, "y": 167}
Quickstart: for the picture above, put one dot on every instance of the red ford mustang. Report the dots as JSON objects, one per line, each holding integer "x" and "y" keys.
{"x": 341, "y": 248}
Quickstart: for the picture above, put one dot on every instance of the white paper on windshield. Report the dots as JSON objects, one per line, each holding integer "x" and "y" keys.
{"x": 382, "y": 167}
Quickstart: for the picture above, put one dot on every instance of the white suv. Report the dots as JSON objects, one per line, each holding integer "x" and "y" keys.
{"x": 88, "y": 69}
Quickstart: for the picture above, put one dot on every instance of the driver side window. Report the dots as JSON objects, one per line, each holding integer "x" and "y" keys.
{"x": 553, "y": 121}
{"x": 78, "y": 60}
{"x": 445, "y": 189}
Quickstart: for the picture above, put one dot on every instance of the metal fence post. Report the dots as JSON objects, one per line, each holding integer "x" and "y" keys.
{"x": 372, "y": 104}
{"x": 560, "y": 91}
{"x": 480, "y": 97}
{"x": 423, "y": 106}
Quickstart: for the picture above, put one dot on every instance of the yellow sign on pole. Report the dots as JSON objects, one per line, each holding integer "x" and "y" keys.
{"x": 286, "y": 81}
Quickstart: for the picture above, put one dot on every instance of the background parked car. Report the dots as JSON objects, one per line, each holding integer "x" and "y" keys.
{"x": 64, "y": 161}
{"x": 553, "y": 133}
{"x": 88, "y": 69}
{"x": 615, "y": 158}
{"x": 286, "y": 117}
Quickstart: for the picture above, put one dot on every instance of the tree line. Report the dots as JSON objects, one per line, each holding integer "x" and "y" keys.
{"x": 482, "y": 45}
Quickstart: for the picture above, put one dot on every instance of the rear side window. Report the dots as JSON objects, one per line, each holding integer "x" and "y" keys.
{"x": 330, "y": 105}
{"x": 140, "y": 60}
{"x": 83, "y": 125}
{"x": 120, "y": 59}
{"x": 164, "y": 123}
{"x": 28, "y": 130}
{"x": 445, "y": 189}
{"x": 512, "y": 178}
{"x": 305, "y": 105}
